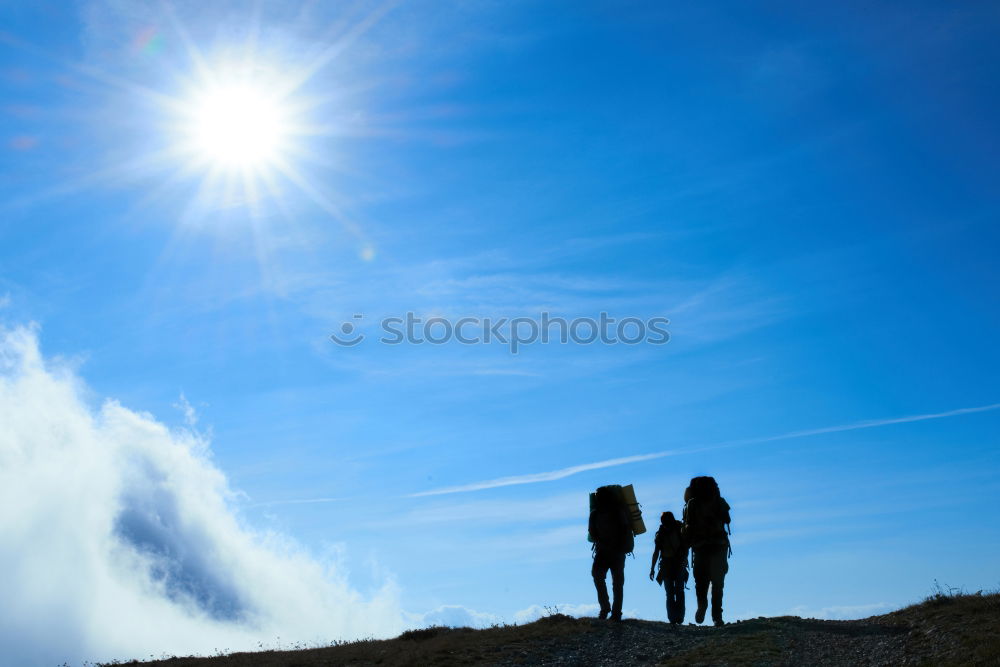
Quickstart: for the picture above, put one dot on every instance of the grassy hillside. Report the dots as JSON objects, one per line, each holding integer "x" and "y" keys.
{"x": 943, "y": 630}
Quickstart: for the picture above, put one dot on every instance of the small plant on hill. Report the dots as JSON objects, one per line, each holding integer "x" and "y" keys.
{"x": 944, "y": 593}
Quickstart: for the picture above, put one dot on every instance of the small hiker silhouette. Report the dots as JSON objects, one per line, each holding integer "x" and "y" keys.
{"x": 706, "y": 530}
{"x": 611, "y": 532}
{"x": 671, "y": 551}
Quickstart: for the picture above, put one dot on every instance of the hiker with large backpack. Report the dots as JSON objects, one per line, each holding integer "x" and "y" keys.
{"x": 672, "y": 552}
{"x": 706, "y": 530}
{"x": 611, "y": 532}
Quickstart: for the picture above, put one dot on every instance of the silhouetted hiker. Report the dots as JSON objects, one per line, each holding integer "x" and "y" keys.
{"x": 670, "y": 549}
{"x": 706, "y": 530}
{"x": 611, "y": 532}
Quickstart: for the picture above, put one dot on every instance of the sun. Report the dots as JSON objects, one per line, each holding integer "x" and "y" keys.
{"x": 237, "y": 127}
{"x": 241, "y": 131}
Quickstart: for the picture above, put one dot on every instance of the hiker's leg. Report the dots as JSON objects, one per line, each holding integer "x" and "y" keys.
{"x": 700, "y": 559}
{"x": 682, "y": 579}
{"x": 600, "y": 572}
{"x": 668, "y": 586}
{"x": 617, "y": 584}
{"x": 720, "y": 566}
{"x": 675, "y": 599}
{"x": 670, "y": 600}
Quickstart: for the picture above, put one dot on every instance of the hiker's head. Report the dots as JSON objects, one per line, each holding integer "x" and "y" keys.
{"x": 667, "y": 518}
{"x": 605, "y": 498}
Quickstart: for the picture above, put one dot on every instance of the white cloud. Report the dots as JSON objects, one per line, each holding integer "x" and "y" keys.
{"x": 118, "y": 538}
{"x": 535, "y": 612}
{"x": 843, "y": 612}
{"x": 457, "y": 616}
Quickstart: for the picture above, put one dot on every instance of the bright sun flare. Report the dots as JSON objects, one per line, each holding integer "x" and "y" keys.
{"x": 238, "y": 127}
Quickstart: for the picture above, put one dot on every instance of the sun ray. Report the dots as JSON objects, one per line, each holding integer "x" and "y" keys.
{"x": 309, "y": 70}
{"x": 201, "y": 67}
{"x": 321, "y": 200}
{"x": 90, "y": 72}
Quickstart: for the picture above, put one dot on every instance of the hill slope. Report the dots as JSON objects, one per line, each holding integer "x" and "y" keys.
{"x": 945, "y": 630}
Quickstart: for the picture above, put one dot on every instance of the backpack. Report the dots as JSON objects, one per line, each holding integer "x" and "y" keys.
{"x": 670, "y": 541}
{"x": 673, "y": 552}
{"x": 628, "y": 539}
{"x": 706, "y": 514}
{"x": 611, "y": 526}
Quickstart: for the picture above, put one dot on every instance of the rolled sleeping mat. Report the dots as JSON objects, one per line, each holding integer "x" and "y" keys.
{"x": 634, "y": 511}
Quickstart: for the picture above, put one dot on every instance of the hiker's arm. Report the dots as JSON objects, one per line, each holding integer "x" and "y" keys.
{"x": 652, "y": 565}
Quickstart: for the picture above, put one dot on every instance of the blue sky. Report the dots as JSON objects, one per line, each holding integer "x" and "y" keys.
{"x": 808, "y": 193}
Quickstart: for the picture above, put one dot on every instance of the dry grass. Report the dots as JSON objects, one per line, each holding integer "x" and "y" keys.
{"x": 954, "y": 628}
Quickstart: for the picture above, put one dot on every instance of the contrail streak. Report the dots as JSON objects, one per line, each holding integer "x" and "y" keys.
{"x": 610, "y": 463}
{"x": 541, "y": 476}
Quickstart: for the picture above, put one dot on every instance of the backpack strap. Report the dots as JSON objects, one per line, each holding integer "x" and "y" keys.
{"x": 729, "y": 530}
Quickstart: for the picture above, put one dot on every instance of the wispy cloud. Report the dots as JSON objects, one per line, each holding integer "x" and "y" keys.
{"x": 559, "y": 508}
{"x": 298, "y": 501}
{"x": 506, "y": 371}
{"x": 561, "y": 473}
{"x": 190, "y": 414}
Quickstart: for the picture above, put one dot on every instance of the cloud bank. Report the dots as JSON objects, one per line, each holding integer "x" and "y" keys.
{"x": 118, "y": 538}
